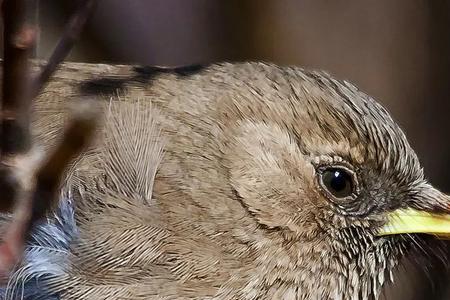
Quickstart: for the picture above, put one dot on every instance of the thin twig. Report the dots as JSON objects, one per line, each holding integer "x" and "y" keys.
{"x": 27, "y": 184}
{"x": 15, "y": 139}
{"x": 48, "y": 178}
{"x": 18, "y": 45}
{"x": 77, "y": 135}
{"x": 71, "y": 34}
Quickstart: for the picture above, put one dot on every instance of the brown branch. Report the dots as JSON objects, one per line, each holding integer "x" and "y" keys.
{"x": 77, "y": 135}
{"x": 30, "y": 188}
{"x": 18, "y": 44}
{"x": 15, "y": 138}
{"x": 71, "y": 34}
{"x": 48, "y": 178}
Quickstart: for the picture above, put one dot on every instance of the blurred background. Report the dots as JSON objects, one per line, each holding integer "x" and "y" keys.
{"x": 396, "y": 51}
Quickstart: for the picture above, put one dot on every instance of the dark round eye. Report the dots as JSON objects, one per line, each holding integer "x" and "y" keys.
{"x": 339, "y": 182}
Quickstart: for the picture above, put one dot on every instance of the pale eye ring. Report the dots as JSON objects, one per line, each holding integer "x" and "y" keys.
{"x": 338, "y": 182}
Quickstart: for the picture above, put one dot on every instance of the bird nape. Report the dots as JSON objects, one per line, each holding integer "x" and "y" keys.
{"x": 236, "y": 181}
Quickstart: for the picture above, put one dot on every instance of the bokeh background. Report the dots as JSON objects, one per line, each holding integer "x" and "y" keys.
{"x": 397, "y": 51}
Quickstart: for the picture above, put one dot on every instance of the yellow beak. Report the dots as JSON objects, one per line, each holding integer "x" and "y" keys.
{"x": 413, "y": 221}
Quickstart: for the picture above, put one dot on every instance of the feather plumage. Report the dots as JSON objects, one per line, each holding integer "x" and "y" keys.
{"x": 203, "y": 186}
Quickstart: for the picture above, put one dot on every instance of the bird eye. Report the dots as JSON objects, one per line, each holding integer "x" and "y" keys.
{"x": 338, "y": 182}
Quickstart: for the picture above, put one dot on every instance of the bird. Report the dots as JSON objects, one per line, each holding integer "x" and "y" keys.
{"x": 240, "y": 180}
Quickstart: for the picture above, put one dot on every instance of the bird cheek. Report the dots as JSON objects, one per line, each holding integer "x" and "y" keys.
{"x": 270, "y": 176}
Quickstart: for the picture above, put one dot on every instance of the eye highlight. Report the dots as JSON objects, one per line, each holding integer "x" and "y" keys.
{"x": 338, "y": 182}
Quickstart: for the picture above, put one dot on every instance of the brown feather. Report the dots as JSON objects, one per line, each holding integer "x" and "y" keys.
{"x": 203, "y": 186}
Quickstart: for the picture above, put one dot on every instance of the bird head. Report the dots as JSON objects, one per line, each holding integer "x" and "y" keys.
{"x": 328, "y": 169}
